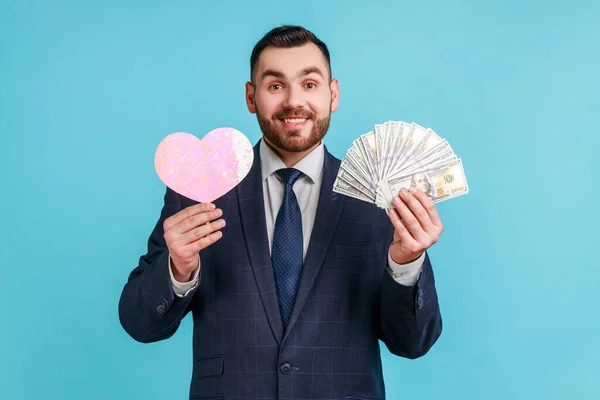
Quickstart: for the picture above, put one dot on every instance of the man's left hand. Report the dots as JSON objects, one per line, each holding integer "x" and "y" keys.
{"x": 417, "y": 225}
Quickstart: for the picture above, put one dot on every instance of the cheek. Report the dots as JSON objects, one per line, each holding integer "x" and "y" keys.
{"x": 321, "y": 104}
{"x": 267, "y": 104}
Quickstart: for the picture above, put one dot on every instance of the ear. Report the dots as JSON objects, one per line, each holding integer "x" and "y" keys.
{"x": 250, "y": 98}
{"x": 334, "y": 86}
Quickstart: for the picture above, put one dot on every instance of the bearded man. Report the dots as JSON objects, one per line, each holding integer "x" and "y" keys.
{"x": 291, "y": 286}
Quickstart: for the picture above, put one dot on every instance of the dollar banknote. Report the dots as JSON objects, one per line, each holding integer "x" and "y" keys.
{"x": 441, "y": 183}
{"x": 398, "y": 155}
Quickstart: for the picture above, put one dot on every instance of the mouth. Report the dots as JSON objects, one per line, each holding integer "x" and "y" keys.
{"x": 293, "y": 122}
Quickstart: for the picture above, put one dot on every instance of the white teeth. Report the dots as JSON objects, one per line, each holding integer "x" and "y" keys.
{"x": 294, "y": 120}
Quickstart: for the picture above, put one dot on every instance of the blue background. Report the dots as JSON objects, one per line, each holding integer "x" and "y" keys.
{"x": 88, "y": 90}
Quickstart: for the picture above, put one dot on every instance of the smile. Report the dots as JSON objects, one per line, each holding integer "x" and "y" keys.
{"x": 293, "y": 120}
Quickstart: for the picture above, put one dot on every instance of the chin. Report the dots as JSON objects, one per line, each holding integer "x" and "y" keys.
{"x": 295, "y": 143}
{"x": 293, "y": 139}
{"x": 296, "y": 146}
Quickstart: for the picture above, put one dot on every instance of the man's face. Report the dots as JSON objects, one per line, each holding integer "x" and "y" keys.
{"x": 292, "y": 96}
{"x": 420, "y": 181}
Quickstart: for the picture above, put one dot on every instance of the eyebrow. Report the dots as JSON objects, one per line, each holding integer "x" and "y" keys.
{"x": 280, "y": 75}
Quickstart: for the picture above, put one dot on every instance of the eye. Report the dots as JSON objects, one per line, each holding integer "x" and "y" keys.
{"x": 275, "y": 86}
{"x": 310, "y": 85}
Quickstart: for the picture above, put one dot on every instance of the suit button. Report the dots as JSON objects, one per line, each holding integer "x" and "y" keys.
{"x": 162, "y": 307}
{"x": 285, "y": 368}
{"x": 419, "y": 303}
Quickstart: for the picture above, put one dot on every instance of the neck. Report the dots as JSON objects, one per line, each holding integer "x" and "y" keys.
{"x": 290, "y": 158}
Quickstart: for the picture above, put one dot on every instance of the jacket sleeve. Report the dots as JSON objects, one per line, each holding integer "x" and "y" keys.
{"x": 149, "y": 311}
{"x": 410, "y": 319}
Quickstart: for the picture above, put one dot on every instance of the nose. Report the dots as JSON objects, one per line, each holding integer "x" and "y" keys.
{"x": 294, "y": 98}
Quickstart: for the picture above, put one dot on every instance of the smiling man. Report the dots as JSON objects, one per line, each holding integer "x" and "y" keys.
{"x": 293, "y": 111}
{"x": 291, "y": 285}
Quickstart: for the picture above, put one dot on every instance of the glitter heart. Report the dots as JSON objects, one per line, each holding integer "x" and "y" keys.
{"x": 204, "y": 170}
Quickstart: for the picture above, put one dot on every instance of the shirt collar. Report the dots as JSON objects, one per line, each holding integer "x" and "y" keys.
{"x": 311, "y": 165}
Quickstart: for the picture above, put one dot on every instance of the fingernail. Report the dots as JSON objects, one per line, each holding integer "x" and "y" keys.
{"x": 396, "y": 200}
{"x": 403, "y": 192}
{"x": 211, "y": 206}
{"x": 412, "y": 190}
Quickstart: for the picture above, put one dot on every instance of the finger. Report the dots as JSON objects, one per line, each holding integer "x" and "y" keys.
{"x": 206, "y": 241}
{"x": 196, "y": 220}
{"x": 186, "y": 213}
{"x": 200, "y": 231}
{"x": 429, "y": 206}
{"x": 418, "y": 210}
{"x": 409, "y": 220}
{"x": 402, "y": 233}
{"x": 192, "y": 248}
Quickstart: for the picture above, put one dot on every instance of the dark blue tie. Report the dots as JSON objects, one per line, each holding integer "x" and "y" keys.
{"x": 287, "y": 251}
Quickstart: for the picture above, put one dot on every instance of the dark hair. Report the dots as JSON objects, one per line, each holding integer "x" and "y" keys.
{"x": 287, "y": 36}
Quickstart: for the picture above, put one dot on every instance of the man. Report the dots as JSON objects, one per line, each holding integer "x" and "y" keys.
{"x": 291, "y": 286}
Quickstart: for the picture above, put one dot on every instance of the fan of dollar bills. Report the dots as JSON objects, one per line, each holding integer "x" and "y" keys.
{"x": 397, "y": 155}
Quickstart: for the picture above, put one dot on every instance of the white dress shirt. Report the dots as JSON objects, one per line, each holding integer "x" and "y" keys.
{"x": 306, "y": 189}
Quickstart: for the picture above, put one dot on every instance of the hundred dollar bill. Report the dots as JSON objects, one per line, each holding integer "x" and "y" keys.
{"x": 440, "y": 154}
{"x": 362, "y": 151}
{"x": 397, "y": 143}
{"x": 380, "y": 138}
{"x": 430, "y": 141}
{"x": 417, "y": 135}
{"x": 357, "y": 161}
{"x": 383, "y": 196}
{"x": 403, "y": 145}
{"x": 441, "y": 183}
{"x": 370, "y": 148}
{"x": 443, "y": 157}
{"x": 357, "y": 176}
{"x": 394, "y": 129}
{"x": 349, "y": 178}
{"x": 339, "y": 186}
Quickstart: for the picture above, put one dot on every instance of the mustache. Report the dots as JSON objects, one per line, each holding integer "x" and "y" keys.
{"x": 293, "y": 113}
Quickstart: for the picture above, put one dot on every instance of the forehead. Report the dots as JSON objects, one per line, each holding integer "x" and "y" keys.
{"x": 291, "y": 61}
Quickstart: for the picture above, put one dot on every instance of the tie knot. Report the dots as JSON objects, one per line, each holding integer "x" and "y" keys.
{"x": 289, "y": 175}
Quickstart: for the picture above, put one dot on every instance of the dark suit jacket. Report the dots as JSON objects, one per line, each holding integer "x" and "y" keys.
{"x": 347, "y": 301}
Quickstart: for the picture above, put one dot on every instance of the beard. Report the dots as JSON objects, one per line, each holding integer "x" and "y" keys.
{"x": 291, "y": 140}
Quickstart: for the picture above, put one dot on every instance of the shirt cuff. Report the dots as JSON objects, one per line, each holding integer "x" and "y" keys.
{"x": 406, "y": 274}
{"x": 182, "y": 289}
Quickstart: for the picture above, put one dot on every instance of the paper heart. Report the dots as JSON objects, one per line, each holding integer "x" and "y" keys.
{"x": 204, "y": 170}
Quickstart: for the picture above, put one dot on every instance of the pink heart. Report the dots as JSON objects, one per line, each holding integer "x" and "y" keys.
{"x": 204, "y": 170}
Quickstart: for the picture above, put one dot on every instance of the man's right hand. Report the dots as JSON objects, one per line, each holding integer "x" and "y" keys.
{"x": 188, "y": 232}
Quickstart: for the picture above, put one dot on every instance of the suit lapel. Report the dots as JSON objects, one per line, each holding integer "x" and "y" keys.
{"x": 329, "y": 209}
{"x": 252, "y": 213}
